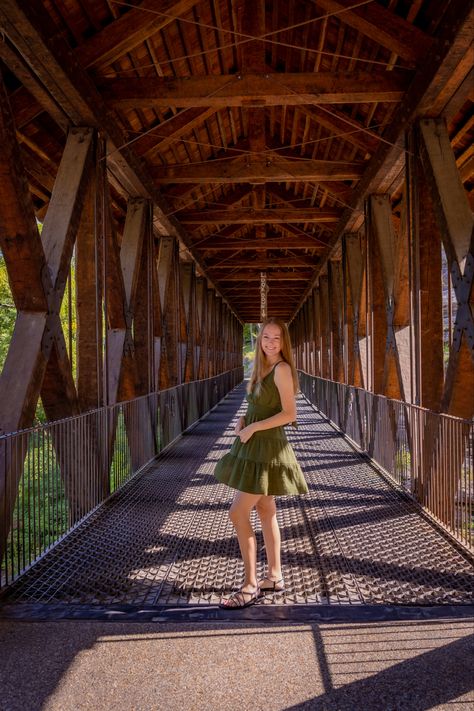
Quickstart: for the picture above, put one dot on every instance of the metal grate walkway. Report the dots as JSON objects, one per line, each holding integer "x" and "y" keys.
{"x": 165, "y": 538}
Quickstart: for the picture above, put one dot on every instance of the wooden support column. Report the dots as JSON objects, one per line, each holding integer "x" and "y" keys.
{"x": 37, "y": 361}
{"x": 211, "y": 340}
{"x": 456, "y": 222}
{"x": 89, "y": 294}
{"x": 377, "y": 309}
{"x": 426, "y": 286}
{"x": 144, "y": 313}
{"x": 355, "y": 265}
{"x": 317, "y": 331}
{"x": 188, "y": 316}
{"x": 324, "y": 321}
{"x": 336, "y": 320}
{"x": 311, "y": 329}
{"x": 219, "y": 352}
{"x": 167, "y": 286}
{"x": 202, "y": 348}
{"x": 122, "y": 284}
{"x": 440, "y": 212}
{"x": 387, "y": 373}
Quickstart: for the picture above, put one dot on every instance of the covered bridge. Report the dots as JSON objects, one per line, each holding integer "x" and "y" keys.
{"x": 170, "y": 170}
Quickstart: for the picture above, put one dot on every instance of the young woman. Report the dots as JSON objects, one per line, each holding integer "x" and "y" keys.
{"x": 261, "y": 463}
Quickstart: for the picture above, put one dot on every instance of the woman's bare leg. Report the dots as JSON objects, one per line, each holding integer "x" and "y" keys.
{"x": 266, "y": 510}
{"x": 240, "y": 516}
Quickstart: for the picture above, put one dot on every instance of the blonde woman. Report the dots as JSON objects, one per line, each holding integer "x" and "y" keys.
{"x": 261, "y": 463}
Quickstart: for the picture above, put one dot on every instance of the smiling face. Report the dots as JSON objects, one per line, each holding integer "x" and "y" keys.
{"x": 271, "y": 341}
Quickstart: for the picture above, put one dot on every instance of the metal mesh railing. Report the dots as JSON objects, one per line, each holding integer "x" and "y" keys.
{"x": 56, "y": 474}
{"x": 428, "y": 454}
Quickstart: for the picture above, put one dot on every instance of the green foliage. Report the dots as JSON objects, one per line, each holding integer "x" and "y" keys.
{"x": 7, "y": 312}
{"x": 250, "y": 335}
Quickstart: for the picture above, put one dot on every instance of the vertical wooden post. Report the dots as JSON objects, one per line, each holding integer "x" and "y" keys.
{"x": 425, "y": 245}
{"x": 336, "y": 320}
{"x": 377, "y": 315}
{"x": 324, "y": 321}
{"x": 89, "y": 295}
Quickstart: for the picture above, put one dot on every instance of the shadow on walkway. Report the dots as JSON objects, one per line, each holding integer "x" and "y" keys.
{"x": 82, "y": 666}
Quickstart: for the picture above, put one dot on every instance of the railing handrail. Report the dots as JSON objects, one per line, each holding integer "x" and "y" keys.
{"x": 87, "y": 413}
{"x": 391, "y": 399}
{"x": 56, "y": 478}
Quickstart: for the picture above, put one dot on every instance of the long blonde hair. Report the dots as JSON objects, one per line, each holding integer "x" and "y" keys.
{"x": 260, "y": 363}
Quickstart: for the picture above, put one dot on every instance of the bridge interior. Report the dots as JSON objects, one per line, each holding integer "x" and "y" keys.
{"x": 165, "y": 538}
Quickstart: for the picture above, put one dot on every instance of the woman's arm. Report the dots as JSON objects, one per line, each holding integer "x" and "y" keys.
{"x": 240, "y": 424}
{"x": 287, "y": 414}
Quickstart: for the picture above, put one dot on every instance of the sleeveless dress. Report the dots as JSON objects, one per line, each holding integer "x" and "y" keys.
{"x": 266, "y": 464}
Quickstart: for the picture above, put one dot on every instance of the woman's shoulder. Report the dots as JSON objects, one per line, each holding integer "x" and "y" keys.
{"x": 282, "y": 369}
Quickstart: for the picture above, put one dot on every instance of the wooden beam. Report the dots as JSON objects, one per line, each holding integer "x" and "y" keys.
{"x": 249, "y": 90}
{"x": 255, "y": 276}
{"x": 168, "y": 132}
{"x": 263, "y": 171}
{"x": 252, "y": 216}
{"x": 252, "y": 263}
{"x": 342, "y": 125}
{"x": 215, "y": 244}
{"x": 130, "y": 30}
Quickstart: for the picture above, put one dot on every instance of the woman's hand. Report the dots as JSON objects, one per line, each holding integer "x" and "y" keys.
{"x": 246, "y": 433}
{"x": 240, "y": 425}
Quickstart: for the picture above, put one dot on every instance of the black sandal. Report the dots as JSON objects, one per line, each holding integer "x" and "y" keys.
{"x": 276, "y": 586}
{"x": 238, "y": 598}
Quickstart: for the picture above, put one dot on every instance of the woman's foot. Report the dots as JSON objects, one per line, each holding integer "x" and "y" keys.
{"x": 272, "y": 584}
{"x": 246, "y": 596}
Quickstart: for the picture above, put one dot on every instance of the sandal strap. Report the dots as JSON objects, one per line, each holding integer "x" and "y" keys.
{"x": 239, "y": 597}
{"x": 273, "y": 587}
{"x": 274, "y": 582}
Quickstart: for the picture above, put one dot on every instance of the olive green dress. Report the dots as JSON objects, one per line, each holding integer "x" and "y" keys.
{"x": 266, "y": 464}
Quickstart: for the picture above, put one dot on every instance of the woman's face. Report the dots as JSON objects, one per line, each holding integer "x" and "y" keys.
{"x": 271, "y": 340}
